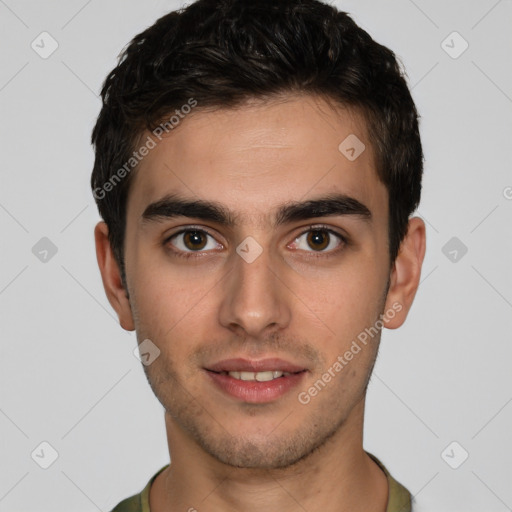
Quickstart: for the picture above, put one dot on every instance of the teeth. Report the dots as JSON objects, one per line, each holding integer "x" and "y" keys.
{"x": 258, "y": 376}
{"x": 265, "y": 376}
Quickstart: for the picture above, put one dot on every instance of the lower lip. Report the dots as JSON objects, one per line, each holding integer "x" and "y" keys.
{"x": 253, "y": 391}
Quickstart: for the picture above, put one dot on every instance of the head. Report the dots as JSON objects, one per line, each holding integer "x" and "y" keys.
{"x": 286, "y": 141}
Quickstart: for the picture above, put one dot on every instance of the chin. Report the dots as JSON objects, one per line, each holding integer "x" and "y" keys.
{"x": 266, "y": 451}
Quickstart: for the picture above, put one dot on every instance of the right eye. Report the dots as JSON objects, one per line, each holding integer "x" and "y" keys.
{"x": 192, "y": 241}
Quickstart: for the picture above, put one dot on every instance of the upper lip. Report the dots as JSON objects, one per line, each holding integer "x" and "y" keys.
{"x": 261, "y": 365}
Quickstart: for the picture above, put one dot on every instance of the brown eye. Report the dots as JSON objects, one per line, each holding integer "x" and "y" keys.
{"x": 194, "y": 240}
{"x": 318, "y": 239}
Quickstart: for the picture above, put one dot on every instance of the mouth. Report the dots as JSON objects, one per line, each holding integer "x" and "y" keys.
{"x": 256, "y": 376}
{"x": 255, "y": 381}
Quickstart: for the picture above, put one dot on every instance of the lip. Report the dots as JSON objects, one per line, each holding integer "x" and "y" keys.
{"x": 262, "y": 365}
{"x": 253, "y": 391}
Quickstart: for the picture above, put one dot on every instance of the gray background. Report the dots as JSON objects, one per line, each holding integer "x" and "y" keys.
{"x": 68, "y": 375}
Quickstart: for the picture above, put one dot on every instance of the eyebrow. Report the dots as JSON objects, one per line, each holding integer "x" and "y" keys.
{"x": 331, "y": 205}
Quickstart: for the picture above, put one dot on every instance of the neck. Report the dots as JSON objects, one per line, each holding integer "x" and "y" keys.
{"x": 337, "y": 477}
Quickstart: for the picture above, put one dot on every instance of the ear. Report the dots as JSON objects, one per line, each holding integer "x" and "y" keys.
{"x": 405, "y": 275}
{"x": 111, "y": 277}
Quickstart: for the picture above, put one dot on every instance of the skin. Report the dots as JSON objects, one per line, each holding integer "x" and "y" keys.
{"x": 294, "y": 302}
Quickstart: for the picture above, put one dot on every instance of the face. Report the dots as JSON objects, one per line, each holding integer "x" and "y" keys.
{"x": 253, "y": 244}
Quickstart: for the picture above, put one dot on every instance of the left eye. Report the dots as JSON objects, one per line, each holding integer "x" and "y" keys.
{"x": 319, "y": 240}
{"x": 193, "y": 240}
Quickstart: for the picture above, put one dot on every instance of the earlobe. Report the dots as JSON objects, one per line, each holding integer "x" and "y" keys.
{"x": 111, "y": 277}
{"x": 406, "y": 273}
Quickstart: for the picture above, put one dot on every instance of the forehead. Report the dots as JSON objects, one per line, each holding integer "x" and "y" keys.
{"x": 256, "y": 157}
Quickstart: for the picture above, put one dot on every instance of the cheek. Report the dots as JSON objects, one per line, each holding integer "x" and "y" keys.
{"x": 160, "y": 302}
{"x": 171, "y": 305}
{"x": 346, "y": 300}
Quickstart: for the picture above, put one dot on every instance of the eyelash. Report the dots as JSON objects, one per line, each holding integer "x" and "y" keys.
{"x": 314, "y": 254}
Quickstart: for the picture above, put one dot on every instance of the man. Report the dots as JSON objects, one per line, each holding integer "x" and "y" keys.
{"x": 256, "y": 167}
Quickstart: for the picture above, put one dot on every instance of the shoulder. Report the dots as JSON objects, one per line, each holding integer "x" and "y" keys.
{"x": 399, "y": 498}
{"x": 131, "y": 504}
{"x": 138, "y": 502}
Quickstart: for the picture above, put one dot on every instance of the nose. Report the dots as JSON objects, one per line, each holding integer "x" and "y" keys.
{"x": 254, "y": 298}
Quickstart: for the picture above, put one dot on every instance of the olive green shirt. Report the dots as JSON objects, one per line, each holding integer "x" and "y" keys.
{"x": 399, "y": 498}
